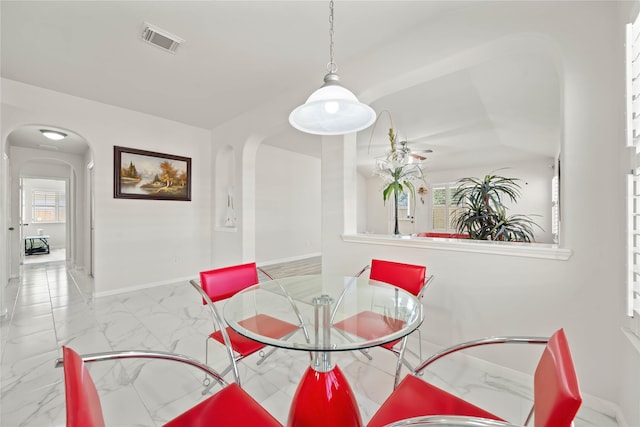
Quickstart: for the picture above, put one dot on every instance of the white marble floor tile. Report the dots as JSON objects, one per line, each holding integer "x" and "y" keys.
{"x": 23, "y": 346}
{"x": 27, "y": 325}
{"x": 50, "y": 307}
{"x": 115, "y": 414}
{"x": 278, "y": 404}
{"x": 31, "y": 373}
{"x": 159, "y": 383}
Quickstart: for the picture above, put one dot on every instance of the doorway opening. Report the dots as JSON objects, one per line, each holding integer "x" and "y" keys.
{"x": 43, "y": 203}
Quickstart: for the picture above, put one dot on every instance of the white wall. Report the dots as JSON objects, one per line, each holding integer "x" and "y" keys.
{"x": 5, "y": 233}
{"x": 287, "y": 205}
{"x": 138, "y": 242}
{"x": 363, "y": 197}
{"x": 477, "y": 295}
{"x": 55, "y": 231}
{"x": 492, "y": 294}
{"x": 375, "y": 213}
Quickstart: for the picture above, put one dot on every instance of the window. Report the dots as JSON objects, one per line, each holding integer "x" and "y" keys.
{"x": 48, "y": 206}
{"x": 633, "y": 179}
{"x": 404, "y": 206}
{"x": 555, "y": 208}
{"x": 444, "y": 209}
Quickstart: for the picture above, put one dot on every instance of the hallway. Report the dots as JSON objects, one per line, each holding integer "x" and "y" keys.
{"x": 50, "y": 307}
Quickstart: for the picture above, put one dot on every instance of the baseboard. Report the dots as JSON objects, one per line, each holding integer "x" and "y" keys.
{"x": 143, "y": 286}
{"x": 290, "y": 259}
{"x": 634, "y": 340}
{"x": 622, "y": 422}
{"x": 186, "y": 279}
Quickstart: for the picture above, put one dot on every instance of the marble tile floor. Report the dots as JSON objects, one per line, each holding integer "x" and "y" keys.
{"x": 49, "y": 307}
{"x": 54, "y": 255}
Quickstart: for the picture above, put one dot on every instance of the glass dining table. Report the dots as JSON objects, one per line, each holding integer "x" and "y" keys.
{"x": 316, "y": 303}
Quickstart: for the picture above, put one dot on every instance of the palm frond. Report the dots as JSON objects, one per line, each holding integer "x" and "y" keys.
{"x": 485, "y": 215}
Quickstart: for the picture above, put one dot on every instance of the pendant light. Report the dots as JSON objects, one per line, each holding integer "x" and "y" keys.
{"x": 332, "y": 109}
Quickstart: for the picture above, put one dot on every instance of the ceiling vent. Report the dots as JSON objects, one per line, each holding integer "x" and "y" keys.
{"x": 160, "y": 38}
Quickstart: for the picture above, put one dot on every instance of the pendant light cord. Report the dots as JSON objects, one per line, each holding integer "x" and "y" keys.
{"x": 332, "y": 109}
{"x": 331, "y": 66}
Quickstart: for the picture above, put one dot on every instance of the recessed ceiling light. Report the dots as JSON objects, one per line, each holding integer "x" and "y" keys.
{"x": 53, "y": 134}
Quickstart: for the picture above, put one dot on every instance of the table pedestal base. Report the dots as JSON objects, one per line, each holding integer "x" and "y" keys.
{"x": 324, "y": 399}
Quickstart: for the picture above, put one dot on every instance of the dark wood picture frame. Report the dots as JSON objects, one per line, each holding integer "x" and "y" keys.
{"x": 140, "y": 174}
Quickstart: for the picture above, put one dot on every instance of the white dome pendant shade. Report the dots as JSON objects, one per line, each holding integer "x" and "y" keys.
{"x": 332, "y": 110}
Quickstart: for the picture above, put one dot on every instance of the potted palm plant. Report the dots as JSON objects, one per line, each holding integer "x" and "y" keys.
{"x": 484, "y": 215}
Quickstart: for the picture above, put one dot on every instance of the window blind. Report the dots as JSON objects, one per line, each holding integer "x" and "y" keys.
{"x": 47, "y": 206}
{"x": 633, "y": 179}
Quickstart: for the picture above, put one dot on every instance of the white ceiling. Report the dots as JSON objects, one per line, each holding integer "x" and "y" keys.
{"x": 243, "y": 56}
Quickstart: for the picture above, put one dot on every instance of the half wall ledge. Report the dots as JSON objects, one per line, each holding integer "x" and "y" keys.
{"x": 526, "y": 250}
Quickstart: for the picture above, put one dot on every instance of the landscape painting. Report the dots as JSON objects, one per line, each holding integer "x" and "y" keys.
{"x": 140, "y": 174}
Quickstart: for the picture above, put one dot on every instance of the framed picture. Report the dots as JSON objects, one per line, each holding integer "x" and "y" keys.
{"x": 140, "y": 174}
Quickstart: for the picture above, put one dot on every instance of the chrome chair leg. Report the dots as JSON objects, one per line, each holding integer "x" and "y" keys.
{"x": 263, "y": 355}
{"x": 206, "y": 382}
{"x": 401, "y": 360}
{"x": 364, "y": 351}
{"x": 210, "y": 385}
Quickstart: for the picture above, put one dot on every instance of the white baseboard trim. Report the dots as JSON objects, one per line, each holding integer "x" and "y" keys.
{"x": 143, "y": 286}
{"x": 622, "y": 422}
{"x": 290, "y": 259}
{"x": 186, "y": 279}
{"x": 634, "y": 340}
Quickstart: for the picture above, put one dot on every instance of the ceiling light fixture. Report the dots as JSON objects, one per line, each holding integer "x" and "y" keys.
{"x": 53, "y": 134}
{"x": 332, "y": 109}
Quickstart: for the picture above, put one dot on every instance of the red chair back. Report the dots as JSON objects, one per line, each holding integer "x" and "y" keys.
{"x": 556, "y": 393}
{"x": 83, "y": 402}
{"x": 223, "y": 283}
{"x": 443, "y": 235}
{"x": 406, "y": 276}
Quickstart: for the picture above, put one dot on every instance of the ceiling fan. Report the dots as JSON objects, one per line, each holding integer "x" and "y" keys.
{"x": 399, "y": 151}
{"x": 419, "y": 155}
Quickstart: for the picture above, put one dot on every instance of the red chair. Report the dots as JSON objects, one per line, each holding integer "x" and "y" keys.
{"x": 222, "y": 283}
{"x": 451, "y": 421}
{"x": 556, "y": 394}
{"x": 443, "y": 235}
{"x": 231, "y": 406}
{"x": 370, "y": 325}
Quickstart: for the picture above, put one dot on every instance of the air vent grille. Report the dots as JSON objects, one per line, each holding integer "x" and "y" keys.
{"x": 160, "y": 38}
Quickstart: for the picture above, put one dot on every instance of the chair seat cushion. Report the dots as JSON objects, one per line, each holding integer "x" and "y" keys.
{"x": 261, "y": 324}
{"x": 231, "y": 406}
{"x": 414, "y": 397}
{"x": 370, "y": 325}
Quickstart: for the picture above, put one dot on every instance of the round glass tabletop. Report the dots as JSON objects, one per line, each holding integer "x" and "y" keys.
{"x": 334, "y": 313}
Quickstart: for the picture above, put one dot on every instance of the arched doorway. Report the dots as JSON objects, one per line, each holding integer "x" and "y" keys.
{"x": 32, "y": 156}
{"x": 43, "y": 218}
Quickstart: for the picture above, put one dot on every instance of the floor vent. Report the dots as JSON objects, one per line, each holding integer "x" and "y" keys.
{"x": 160, "y": 38}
